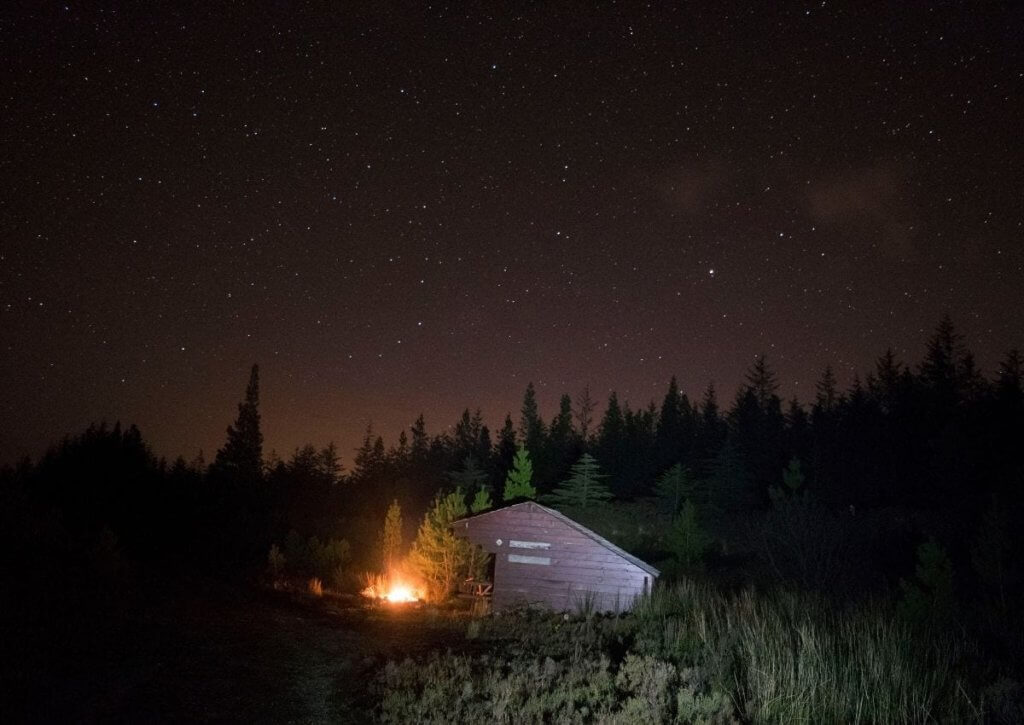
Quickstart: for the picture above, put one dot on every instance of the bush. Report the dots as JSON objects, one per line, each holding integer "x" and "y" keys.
{"x": 311, "y": 557}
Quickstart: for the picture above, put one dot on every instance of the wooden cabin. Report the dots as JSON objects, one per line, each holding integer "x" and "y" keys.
{"x": 542, "y": 557}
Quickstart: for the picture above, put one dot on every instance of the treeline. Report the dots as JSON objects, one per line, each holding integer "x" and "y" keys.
{"x": 937, "y": 438}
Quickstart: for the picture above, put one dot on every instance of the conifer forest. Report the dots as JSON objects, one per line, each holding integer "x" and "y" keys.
{"x": 892, "y": 503}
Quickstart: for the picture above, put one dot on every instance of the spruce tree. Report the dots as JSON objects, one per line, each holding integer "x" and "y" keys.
{"x": 531, "y": 427}
{"x": 241, "y": 458}
{"x": 470, "y": 477}
{"x": 519, "y": 482}
{"x": 584, "y": 414}
{"x": 761, "y": 381}
{"x": 584, "y": 488}
{"x": 826, "y": 396}
{"x": 391, "y": 537}
{"x": 420, "y": 446}
{"x": 505, "y": 450}
{"x": 670, "y": 426}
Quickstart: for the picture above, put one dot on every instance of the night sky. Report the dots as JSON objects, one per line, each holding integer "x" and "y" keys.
{"x": 397, "y": 211}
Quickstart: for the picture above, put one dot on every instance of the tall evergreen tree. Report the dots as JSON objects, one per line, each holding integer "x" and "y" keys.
{"x": 669, "y": 440}
{"x": 826, "y": 395}
{"x": 611, "y": 443}
{"x": 329, "y": 464}
{"x": 531, "y": 427}
{"x": 391, "y": 537}
{"x": 420, "y": 446}
{"x": 563, "y": 446}
{"x": 240, "y": 520}
{"x": 241, "y": 458}
{"x": 942, "y": 366}
{"x": 504, "y": 451}
{"x": 761, "y": 381}
{"x": 584, "y": 413}
{"x": 711, "y": 431}
{"x": 363, "y": 462}
{"x": 585, "y": 487}
{"x": 885, "y": 384}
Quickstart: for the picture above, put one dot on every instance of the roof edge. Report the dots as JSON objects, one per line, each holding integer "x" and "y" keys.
{"x": 575, "y": 525}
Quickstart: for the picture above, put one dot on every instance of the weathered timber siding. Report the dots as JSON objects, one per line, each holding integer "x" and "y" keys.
{"x": 582, "y": 570}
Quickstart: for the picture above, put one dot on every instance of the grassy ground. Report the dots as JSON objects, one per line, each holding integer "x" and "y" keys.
{"x": 148, "y": 649}
{"x": 194, "y": 650}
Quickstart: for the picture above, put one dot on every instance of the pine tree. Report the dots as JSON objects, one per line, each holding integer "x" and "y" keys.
{"x": 826, "y": 397}
{"x": 470, "y": 477}
{"x": 531, "y": 427}
{"x": 677, "y": 485}
{"x": 420, "y": 445}
{"x": 519, "y": 482}
{"x": 584, "y": 414}
{"x": 561, "y": 425}
{"x": 505, "y": 451}
{"x": 364, "y": 455}
{"x": 944, "y": 366}
{"x": 670, "y": 426}
{"x": 330, "y": 464}
{"x": 241, "y": 458}
{"x": 438, "y": 556}
{"x": 584, "y": 488}
{"x": 391, "y": 537}
{"x": 761, "y": 381}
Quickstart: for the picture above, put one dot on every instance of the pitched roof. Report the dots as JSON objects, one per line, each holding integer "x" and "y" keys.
{"x": 574, "y": 524}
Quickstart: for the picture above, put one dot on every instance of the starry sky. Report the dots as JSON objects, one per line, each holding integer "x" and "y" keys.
{"x": 397, "y": 209}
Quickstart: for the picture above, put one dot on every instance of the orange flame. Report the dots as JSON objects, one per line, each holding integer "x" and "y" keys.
{"x": 392, "y": 590}
{"x": 401, "y": 593}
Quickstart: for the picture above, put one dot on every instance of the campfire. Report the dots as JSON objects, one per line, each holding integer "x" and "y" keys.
{"x": 391, "y": 590}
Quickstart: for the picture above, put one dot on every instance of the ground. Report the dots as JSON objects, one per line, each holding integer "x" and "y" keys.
{"x": 204, "y": 650}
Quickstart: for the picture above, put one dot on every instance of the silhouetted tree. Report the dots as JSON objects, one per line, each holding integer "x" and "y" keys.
{"x": 584, "y": 414}
{"x": 241, "y": 458}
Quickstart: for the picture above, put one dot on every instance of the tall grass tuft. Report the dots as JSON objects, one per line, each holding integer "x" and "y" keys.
{"x": 791, "y": 658}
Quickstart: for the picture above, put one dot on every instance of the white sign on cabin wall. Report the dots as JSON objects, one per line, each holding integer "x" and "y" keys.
{"x": 528, "y": 544}
{"x": 522, "y": 559}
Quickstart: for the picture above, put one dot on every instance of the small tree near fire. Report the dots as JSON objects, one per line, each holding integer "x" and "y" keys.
{"x": 438, "y": 556}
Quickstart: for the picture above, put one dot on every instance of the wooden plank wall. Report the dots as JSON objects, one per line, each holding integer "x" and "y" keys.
{"x": 580, "y": 570}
